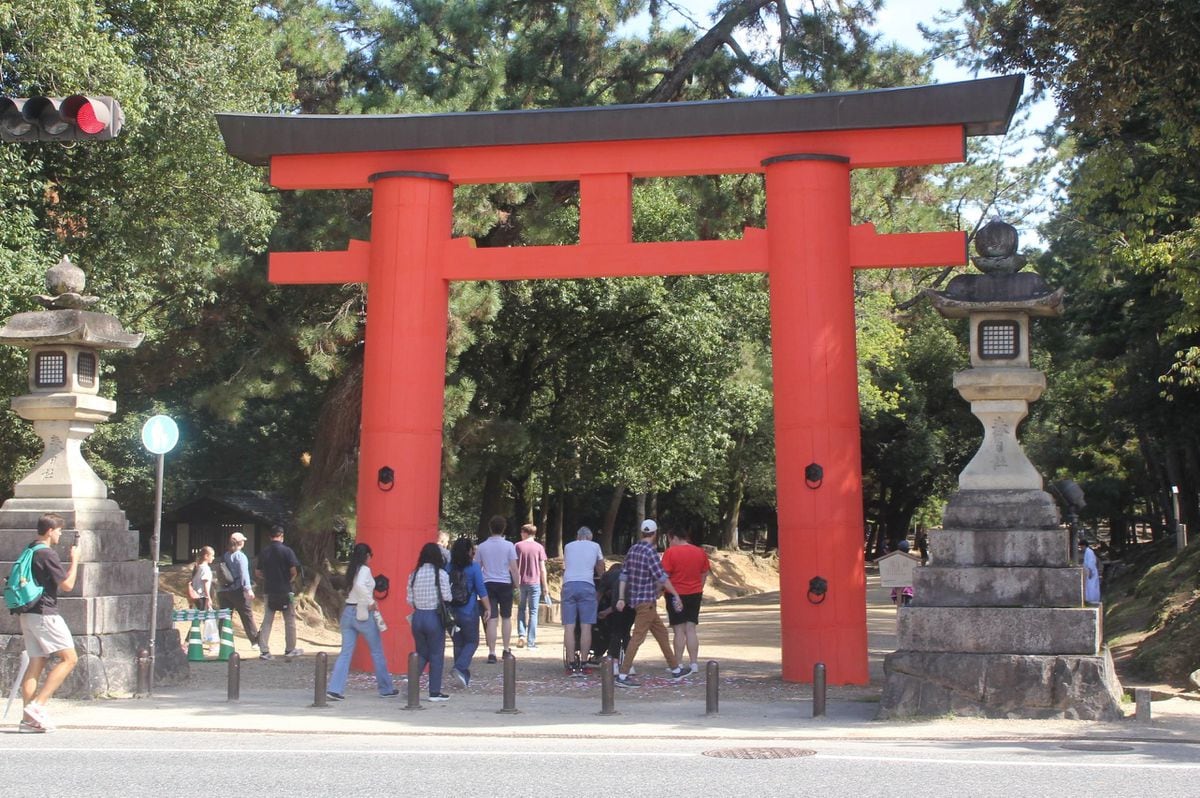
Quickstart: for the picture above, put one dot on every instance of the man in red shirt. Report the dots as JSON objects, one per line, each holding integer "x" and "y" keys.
{"x": 688, "y": 567}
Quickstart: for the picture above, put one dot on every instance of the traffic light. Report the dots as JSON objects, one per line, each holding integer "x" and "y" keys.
{"x": 75, "y": 118}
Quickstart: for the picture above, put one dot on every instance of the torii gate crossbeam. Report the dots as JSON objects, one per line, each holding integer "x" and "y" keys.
{"x": 806, "y": 146}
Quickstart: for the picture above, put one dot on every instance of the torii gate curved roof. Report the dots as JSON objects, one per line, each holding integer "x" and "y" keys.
{"x": 981, "y": 107}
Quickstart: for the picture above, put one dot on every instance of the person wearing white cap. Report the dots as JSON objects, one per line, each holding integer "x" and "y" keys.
{"x": 641, "y": 579}
{"x": 237, "y": 591}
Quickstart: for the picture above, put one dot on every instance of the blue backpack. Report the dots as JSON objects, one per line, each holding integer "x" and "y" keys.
{"x": 22, "y": 591}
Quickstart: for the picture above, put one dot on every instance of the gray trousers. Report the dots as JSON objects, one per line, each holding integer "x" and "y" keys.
{"x": 284, "y": 604}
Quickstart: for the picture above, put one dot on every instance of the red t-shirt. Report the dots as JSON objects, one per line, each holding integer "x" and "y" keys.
{"x": 685, "y": 565}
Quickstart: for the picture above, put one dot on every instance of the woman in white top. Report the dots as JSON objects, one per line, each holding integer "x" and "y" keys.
{"x": 200, "y": 587}
{"x": 358, "y": 619}
{"x": 427, "y": 584}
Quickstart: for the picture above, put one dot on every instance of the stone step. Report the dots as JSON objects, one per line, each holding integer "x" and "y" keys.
{"x": 935, "y": 586}
{"x": 103, "y": 615}
{"x": 107, "y": 665}
{"x": 101, "y": 515}
{"x": 106, "y": 578}
{"x": 919, "y": 684}
{"x": 105, "y": 546}
{"x": 1024, "y": 547}
{"x": 1000, "y": 508}
{"x": 1000, "y": 630}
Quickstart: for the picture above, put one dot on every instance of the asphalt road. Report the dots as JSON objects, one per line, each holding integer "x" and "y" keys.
{"x": 78, "y": 763}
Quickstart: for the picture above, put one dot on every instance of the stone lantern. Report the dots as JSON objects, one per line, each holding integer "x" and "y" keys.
{"x": 108, "y": 611}
{"x": 998, "y": 626}
{"x": 999, "y": 488}
{"x": 64, "y": 383}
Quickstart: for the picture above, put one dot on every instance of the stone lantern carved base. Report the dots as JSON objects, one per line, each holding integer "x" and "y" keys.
{"x": 108, "y": 611}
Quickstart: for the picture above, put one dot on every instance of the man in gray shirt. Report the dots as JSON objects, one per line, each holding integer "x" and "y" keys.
{"x": 497, "y": 558}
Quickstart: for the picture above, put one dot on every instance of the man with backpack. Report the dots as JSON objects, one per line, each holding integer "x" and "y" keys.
{"x": 45, "y": 632}
{"x": 236, "y": 592}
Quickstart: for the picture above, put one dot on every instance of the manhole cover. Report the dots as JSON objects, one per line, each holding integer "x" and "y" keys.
{"x": 1101, "y": 748}
{"x": 759, "y": 753}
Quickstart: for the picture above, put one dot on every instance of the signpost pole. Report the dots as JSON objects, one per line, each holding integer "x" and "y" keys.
{"x": 154, "y": 554}
{"x": 159, "y": 436}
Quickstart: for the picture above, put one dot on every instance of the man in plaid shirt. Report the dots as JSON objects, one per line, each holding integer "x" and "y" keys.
{"x": 641, "y": 579}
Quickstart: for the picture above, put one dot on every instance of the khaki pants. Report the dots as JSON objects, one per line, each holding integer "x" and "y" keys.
{"x": 648, "y": 620}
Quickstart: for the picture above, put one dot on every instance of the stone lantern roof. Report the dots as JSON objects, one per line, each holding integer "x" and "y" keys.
{"x": 65, "y": 321}
{"x": 1002, "y": 287}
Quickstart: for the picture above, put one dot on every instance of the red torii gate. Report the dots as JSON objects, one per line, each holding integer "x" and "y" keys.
{"x": 805, "y": 145}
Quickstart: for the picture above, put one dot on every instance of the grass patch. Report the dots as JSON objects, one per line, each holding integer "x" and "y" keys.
{"x": 1152, "y": 618}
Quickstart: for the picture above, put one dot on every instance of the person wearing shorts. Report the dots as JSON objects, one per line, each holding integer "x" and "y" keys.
{"x": 497, "y": 558}
{"x": 688, "y": 567}
{"x": 45, "y": 632}
{"x": 583, "y": 562}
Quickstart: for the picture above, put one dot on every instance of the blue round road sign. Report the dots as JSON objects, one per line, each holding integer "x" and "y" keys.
{"x": 160, "y": 434}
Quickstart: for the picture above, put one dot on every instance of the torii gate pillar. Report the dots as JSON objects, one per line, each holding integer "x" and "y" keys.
{"x": 404, "y": 367}
{"x": 816, "y": 416}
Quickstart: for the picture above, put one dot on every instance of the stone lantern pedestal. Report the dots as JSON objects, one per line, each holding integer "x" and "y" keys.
{"x": 108, "y": 611}
{"x": 998, "y": 625}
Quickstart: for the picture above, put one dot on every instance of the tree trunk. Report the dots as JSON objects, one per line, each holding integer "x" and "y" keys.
{"x": 522, "y": 511}
{"x": 327, "y": 495}
{"x": 490, "y": 503}
{"x": 554, "y": 536}
{"x": 729, "y": 524}
{"x": 544, "y": 515}
{"x": 610, "y": 519}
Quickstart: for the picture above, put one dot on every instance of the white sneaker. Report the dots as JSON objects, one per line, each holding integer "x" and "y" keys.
{"x": 695, "y": 668}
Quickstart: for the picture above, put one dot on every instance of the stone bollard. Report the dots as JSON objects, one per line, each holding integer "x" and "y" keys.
{"x": 712, "y": 673}
{"x": 321, "y": 680}
{"x": 234, "y": 690}
{"x": 414, "y": 681}
{"x": 608, "y": 704}
{"x": 143, "y": 673}
{"x": 1141, "y": 698}
{"x": 818, "y": 690}
{"x": 510, "y": 685}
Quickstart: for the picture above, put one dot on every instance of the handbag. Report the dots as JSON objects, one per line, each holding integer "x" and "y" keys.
{"x": 445, "y": 614}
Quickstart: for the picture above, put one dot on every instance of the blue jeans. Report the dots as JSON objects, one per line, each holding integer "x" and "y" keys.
{"x": 466, "y": 641}
{"x": 351, "y": 629}
{"x": 430, "y": 640}
{"x": 528, "y": 608}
